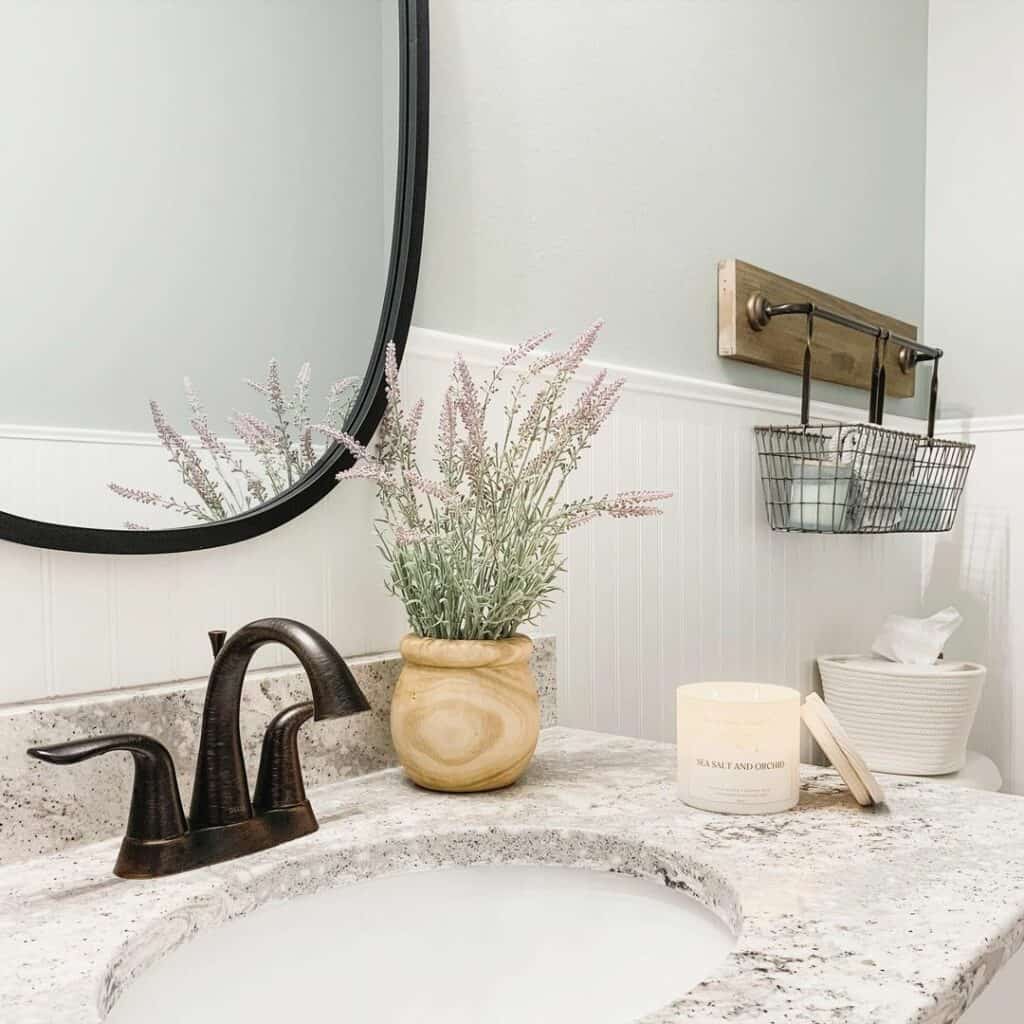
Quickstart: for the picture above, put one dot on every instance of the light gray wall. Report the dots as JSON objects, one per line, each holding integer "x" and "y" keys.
{"x": 597, "y": 157}
{"x": 186, "y": 188}
{"x": 975, "y": 203}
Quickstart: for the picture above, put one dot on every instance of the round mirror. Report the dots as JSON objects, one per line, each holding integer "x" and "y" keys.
{"x": 211, "y": 216}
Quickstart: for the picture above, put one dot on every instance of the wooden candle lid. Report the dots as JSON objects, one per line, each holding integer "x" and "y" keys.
{"x": 839, "y": 749}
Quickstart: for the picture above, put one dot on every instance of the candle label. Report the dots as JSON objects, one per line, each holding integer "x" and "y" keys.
{"x": 740, "y": 778}
{"x": 739, "y": 747}
{"x": 740, "y": 766}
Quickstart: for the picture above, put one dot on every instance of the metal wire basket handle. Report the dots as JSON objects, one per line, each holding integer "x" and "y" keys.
{"x": 876, "y": 404}
{"x": 876, "y": 400}
{"x": 805, "y": 386}
{"x": 861, "y": 477}
{"x": 933, "y": 397}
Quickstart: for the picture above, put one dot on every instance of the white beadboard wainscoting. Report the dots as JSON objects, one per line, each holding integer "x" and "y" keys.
{"x": 74, "y": 623}
{"x": 979, "y": 567}
{"x": 705, "y": 592}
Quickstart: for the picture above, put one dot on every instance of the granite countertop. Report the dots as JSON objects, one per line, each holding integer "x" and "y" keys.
{"x": 898, "y": 914}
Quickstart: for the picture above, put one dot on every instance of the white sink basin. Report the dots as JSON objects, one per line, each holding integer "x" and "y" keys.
{"x": 480, "y": 945}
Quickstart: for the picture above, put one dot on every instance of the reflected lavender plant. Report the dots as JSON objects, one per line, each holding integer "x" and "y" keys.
{"x": 227, "y": 479}
{"x": 475, "y": 553}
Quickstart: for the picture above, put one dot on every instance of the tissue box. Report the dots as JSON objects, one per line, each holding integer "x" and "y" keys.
{"x": 905, "y": 719}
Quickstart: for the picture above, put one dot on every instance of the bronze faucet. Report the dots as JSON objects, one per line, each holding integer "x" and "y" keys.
{"x": 223, "y": 822}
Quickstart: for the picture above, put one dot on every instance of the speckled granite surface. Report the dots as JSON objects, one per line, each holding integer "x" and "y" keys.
{"x": 44, "y": 808}
{"x": 890, "y": 916}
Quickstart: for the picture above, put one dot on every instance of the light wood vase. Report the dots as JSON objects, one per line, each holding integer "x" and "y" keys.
{"x": 465, "y": 715}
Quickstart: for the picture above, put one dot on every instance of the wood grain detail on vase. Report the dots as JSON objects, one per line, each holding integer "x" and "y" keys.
{"x": 465, "y": 715}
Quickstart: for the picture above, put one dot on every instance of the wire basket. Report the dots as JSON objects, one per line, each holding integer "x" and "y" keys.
{"x": 835, "y": 478}
{"x": 860, "y": 477}
{"x": 932, "y": 496}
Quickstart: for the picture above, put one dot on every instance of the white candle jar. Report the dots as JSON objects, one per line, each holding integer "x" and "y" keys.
{"x": 820, "y": 494}
{"x": 738, "y": 747}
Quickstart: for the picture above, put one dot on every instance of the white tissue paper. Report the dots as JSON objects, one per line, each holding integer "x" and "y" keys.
{"x": 916, "y": 641}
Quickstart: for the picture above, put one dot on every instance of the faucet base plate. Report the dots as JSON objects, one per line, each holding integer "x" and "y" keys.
{"x": 202, "y": 847}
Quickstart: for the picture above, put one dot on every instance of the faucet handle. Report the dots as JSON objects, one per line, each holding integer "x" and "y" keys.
{"x": 279, "y": 782}
{"x": 217, "y": 638}
{"x": 156, "y": 812}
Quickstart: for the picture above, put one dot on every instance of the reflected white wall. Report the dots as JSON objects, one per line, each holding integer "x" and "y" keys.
{"x": 186, "y": 189}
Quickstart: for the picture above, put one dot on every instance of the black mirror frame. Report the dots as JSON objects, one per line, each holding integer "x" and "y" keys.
{"x": 396, "y": 316}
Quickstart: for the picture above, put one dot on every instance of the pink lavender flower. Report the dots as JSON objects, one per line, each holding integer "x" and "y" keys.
{"x": 404, "y": 536}
{"x": 643, "y": 496}
{"x": 587, "y": 414}
{"x": 630, "y": 504}
{"x": 302, "y": 379}
{"x": 339, "y": 387}
{"x": 201, "y": 425}
{"x": 256, "y": 433}
{"x": 446, "y": 426}
{"x": 365, "y": 470}
{"x": 272, "y": 388}
{"x": 306, "y": 444}
{"x": 217, "y": 473}
{"x": 344, "y": 439}
{"x": 152, "y": 498}
{"x": 542, "y": 363}
{"x": 494, "y": 520}
{"x": 593, "y": 408}
{"x": 429, "y": 487}
{"x": 393, "y": 391}
{"x": 471, "y": 413}
{"x": 515, "y": 354}
{"x": 189, "y": 464}
{"x": 255, "y": 488}
{"x": 580, "y": 518}
{"x": 580, "y": 348}
{"x": 605, "y": 403}
{"x": 169, "y": 437}
{"x": 412, "y": 424}
{"x": 467, "y": 401}
{"x": 632, "y": 511}
{"x": 139, "y": 495}
{"x": 541, "y": 464}
{"x": 340, "y": 397}
{"x": 593, "y": 389}
{"x": 530, "y": 423}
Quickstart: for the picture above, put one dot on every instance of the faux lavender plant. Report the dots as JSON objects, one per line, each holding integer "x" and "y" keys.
{"x": 226, "y": 479}
{"x": 474, "y": 553}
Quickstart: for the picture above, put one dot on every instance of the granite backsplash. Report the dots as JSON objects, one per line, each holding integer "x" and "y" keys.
{"x": 44, "y": 808}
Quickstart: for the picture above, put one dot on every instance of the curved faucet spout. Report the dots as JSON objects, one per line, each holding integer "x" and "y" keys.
{"x": 220, "y": 795}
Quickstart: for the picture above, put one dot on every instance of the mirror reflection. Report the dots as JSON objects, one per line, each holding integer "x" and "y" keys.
{"x": 197, "y": 213}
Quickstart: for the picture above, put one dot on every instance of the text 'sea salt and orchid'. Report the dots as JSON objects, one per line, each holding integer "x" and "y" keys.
{"x": 474, "y": 549}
